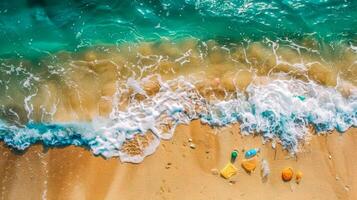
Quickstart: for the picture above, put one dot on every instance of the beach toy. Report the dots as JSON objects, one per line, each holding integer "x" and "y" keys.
{"x": 287, "y": 174}
{"x": 234, "y": 156}
{"x": 298, "y": 176}
{"x": 228, "y": 171}
{"x": 251, "y": 152}
{"x": 249, "y": 165}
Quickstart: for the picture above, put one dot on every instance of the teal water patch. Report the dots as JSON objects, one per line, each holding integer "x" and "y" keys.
{"x": 51, "y": 135}
{"x": 301, "y": 97}
{"x": 37, "y": 27}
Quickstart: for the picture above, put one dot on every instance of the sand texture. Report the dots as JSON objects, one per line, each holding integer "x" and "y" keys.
{"x": 178, "y": 171}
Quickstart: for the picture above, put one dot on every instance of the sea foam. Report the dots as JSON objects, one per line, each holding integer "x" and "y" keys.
{"x": 280, "y": 110}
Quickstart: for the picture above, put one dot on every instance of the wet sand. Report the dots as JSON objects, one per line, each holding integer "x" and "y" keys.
{"x": 82, "y": 85}
{"x": 176, "y": 171}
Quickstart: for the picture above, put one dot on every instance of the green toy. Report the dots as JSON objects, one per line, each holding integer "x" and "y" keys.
{"x": 234, "y": 155}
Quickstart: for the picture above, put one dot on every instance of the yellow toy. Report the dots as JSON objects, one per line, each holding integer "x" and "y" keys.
{"x": 228, "y": 171}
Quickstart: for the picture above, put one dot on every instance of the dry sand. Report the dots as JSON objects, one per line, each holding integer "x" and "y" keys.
{"x": 176, "y": 171}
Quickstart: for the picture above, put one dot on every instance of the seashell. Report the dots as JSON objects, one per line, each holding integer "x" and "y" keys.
{"x": 298, "y": 176}
{"x": 287, "y": 174}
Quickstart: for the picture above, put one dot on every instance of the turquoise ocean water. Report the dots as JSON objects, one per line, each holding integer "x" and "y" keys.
{"x": 31, "y": 27}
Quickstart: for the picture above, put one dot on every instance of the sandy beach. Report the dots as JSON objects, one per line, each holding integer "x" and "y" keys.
{"x": 177, "y": 171}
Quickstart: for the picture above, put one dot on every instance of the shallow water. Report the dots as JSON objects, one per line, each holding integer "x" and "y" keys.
{"x": 116, "y": 77}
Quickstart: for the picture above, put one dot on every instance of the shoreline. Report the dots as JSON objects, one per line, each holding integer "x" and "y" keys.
{"x": 177, "y": 171}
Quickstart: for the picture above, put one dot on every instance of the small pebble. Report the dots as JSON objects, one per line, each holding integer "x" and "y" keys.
{"x": 214, "y": 171}
{"x": 193, "y": 146}
{"x": 217, "y": 81}
{"x": 232, "y": 182}
{"x": 337, "y": 178}
{"x": 189, "y": 139}
{"x": 347, "y": 188}
{"x": 329, "y": 157}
